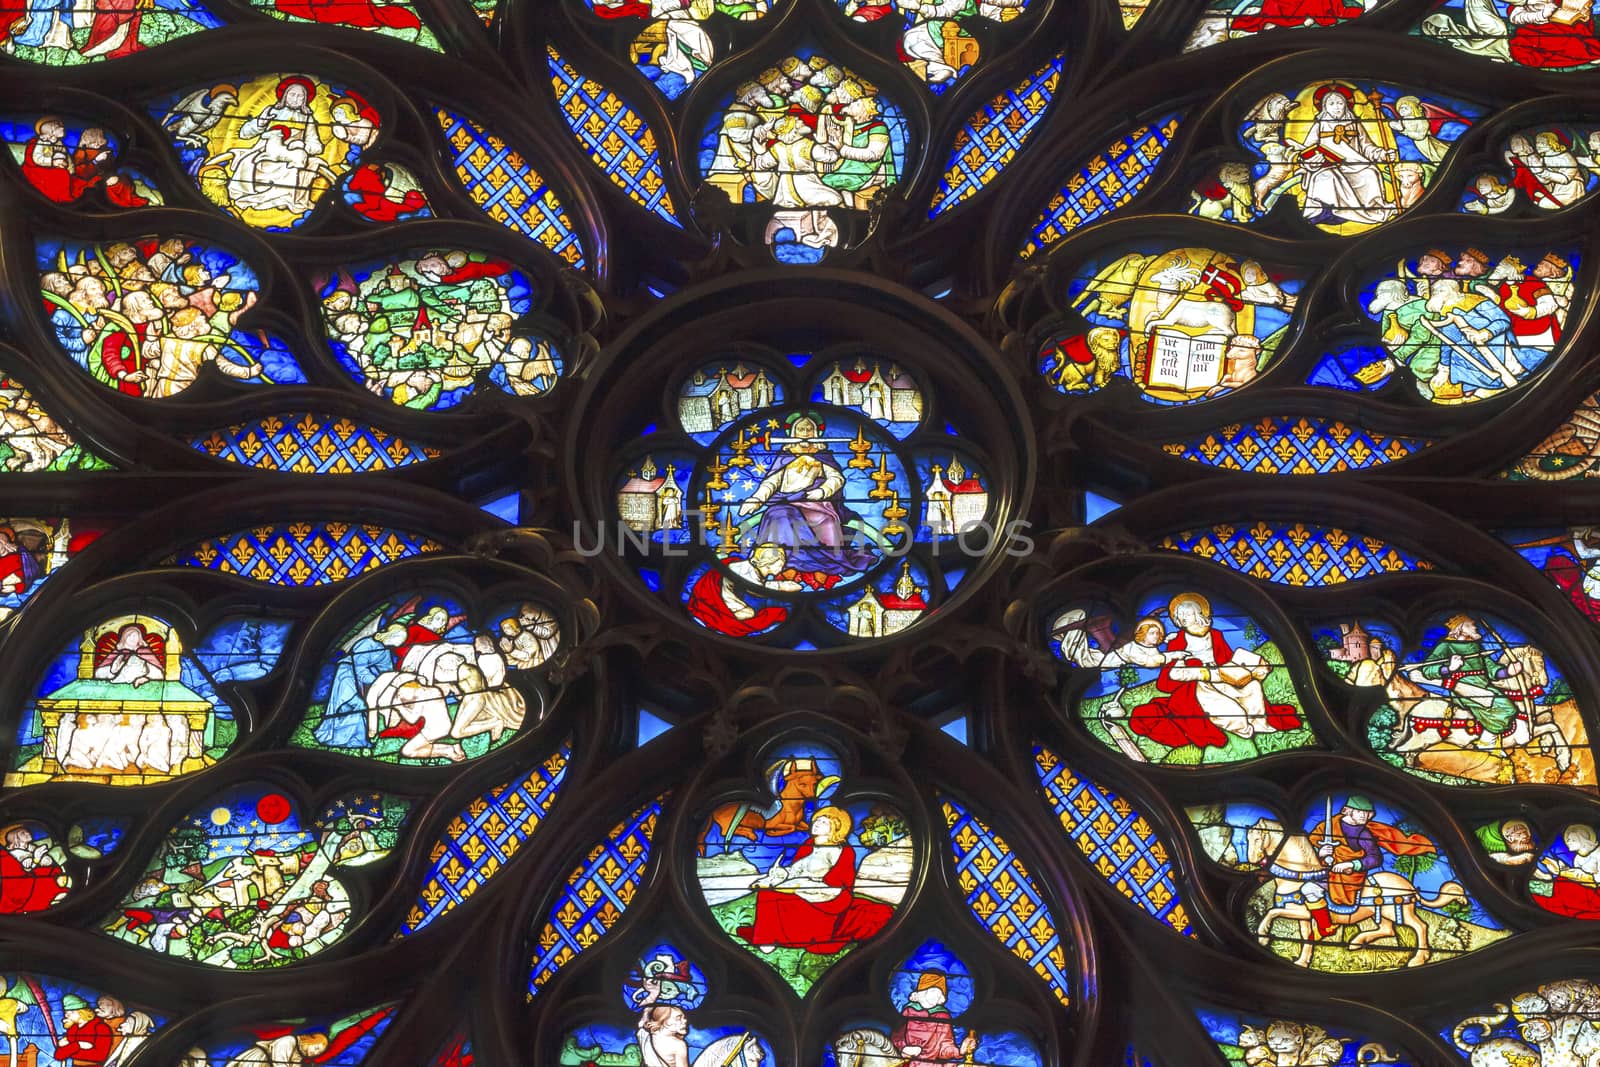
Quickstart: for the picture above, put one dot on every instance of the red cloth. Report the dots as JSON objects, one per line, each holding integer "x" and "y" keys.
{"x": 1567, "y": 575}
{"x": 11, "y": 13}
{"x": 706, "y": 605}
{"x": 367, "y": 183}
{"x": 418, "y": 634}
{"x": 636, "y": 9}
{"x": 1075, "y": 349}
{"x": 22, "y": 890}
{"x": 1527, "y": 183}
{"x": 1529, "y": 290}
{"x": 1397, "y": 842}
{"x": 787, "y": 921}
{"x": 123, "y": 354}
{"x": 931, "y": 1033}
{"x": 120, "y": 191}
{"x": 11, "y": 568}
{"x": 112, "y": 15}
{"x": 487, "y": 268}
{"x": 87, "y": 1045}
{"x": 54, "y": 182}
{"x": 1572, "y": 899}
{"x": 1289, "y": 13}
{"x": 1555, "y": 45}
{"x": 350, "y": 1035}
{"x": 362, "y": 14}
{"x": 1178, "y": 719}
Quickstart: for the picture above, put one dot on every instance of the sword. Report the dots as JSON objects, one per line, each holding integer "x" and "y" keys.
{"x": 1494, "y": 367}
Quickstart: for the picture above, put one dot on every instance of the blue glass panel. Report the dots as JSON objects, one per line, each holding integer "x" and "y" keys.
{"x": 303, "y": 553}
{"x": 1121, "y": 846}
{"x": 598, "y": 891}
{"x": 483, "y": 838}
{"x": 991, "y": 139}
{"x": 1003, "y": 898}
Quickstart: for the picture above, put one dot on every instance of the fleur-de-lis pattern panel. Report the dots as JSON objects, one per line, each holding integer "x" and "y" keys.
{"x": 1117, "y": 841}
{"x": 1297, "y": 555}
{"x": 1004, "y": 898}
{"x": 594, "y": 895}
{"x": 303, "y": 553}
{"x": 312, "y": 444}
{"x": 483, "y": 838}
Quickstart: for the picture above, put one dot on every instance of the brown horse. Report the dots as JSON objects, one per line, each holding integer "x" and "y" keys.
{"x": 795, "y": 781}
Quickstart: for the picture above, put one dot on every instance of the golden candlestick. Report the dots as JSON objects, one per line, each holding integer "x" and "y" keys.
{"x": 741, "y": 445}
{"x": 894, "y": 513}
{"x": 710, "y": 512}
{"x": 860, "y": 446}
{"x": 881, "y": 477}
{"x": 717, "y": 471}
{"x": 894, "y": 510}
{"x": 729, "y": 539}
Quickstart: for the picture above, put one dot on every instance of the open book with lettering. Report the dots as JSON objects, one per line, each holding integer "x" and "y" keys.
{"x": 1178, "y": 361}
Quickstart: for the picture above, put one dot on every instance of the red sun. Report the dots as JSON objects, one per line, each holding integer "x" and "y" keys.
{"x": 273, "y": 808}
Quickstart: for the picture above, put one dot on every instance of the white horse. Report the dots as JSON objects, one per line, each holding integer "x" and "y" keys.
{"x": 735, "y": 1050}
{"x": 865, "y": 1048}
{"x": 1386, "y": 897}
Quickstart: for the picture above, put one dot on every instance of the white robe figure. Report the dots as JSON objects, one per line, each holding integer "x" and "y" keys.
{"x": 276, "y": 173}
{"x": 789, "y": 172}
{"x": 687, "y": 41}
{"x": 1338, "y": 171}
{"x": 132, "y": 661}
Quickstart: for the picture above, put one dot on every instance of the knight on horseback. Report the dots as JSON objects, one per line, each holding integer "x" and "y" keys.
{"x": 1351, "y": 845}
{"x": 1336, "y": 876}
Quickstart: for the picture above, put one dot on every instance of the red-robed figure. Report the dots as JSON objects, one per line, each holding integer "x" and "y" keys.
{"x": 926, "y": 1036}
{"x": 30, "y": 879}
{"x": 1210, "y": 689}
{"x": 1535, "y": 312}
{"x": 361, "y": 14}
{"x": 811, "y": 903}
{"x": 86, "y": 1039}
{"x": 1290, "y": 13}
{"x": 1553, "y": 35}
{"x": 115, "y": 29}
{"x": 426, "y": 629}
{"x": 716, "y": 603}
{"x": 122, "y": 356}
{"x": 1565, "y": 881}
{"x": 46, "y": 163}
{"x": 371, "y": 186}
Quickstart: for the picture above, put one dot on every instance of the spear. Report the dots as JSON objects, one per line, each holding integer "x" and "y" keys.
{"x": 44, "y": 1008}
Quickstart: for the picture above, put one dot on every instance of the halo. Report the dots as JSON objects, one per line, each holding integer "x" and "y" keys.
{"x": 1188, "y": 598}
{"x": 297, "y": 79}
{"x": 1332, "y": 87}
